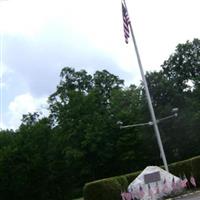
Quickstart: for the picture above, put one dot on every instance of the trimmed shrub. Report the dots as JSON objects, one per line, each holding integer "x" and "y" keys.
{"x": 181, "y": 168}
{"x": 106, "y": 189}
{"x": 122, "y": 180}
{"x": 130, "y": 177}
{"x": 195, "y": 162}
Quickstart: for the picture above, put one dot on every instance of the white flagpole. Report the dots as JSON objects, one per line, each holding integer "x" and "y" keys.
{"x": 155, "y": 125}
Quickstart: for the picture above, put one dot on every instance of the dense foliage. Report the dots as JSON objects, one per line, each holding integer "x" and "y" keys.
{"x": 52, "y": 157}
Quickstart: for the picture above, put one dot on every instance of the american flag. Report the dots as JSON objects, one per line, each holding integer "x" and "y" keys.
{"x": 150, "y": 192}
{"x": 184, "y": 182}
{"x": 178, "y": 184}
{"x": 165, "y": 188}
{"x": 192, "y": 181}
{"x": 141, "y": 192}
{"x": 126, "y": 196}
{"x": 126, "y": 22}
{"x": 173, "y": 184}
{"x": 157, "y": 188}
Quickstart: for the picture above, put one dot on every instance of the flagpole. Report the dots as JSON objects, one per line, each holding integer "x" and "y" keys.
{"x": 155, "y": 125}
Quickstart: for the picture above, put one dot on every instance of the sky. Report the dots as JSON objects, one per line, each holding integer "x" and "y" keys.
{"x": 40, "y": 37}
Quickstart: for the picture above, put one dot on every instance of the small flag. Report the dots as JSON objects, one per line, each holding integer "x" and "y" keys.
{"x": 165, "y": 188}
{"x": 150, "y": 191}
{"x": 157, "y": 188}
{"x": 178, "y": 184}
{"x": 173, "y": 184}
{"x": 141, "y": 192}
{"x": 192, "y": 181}
{"x": 126, "y": 22}
{"x": 134, "y": 195}
{"x": 123, "y": 196}
{"x": 126, "y": 196}
{"x": 184, "y": 182}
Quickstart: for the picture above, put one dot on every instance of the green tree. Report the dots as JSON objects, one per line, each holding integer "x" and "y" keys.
{"x": 183, "y": 66}
{"x": 86, "y": 117}
{"x": 177, "y": 86}
{"x": 131, "y": 145}
{"x": 24, "y": 163}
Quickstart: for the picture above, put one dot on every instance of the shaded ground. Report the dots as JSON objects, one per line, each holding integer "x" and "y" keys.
{"x": 190, "y": 196}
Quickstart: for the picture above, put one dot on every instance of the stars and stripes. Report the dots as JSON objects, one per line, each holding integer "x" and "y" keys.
{"x": 150, "y": 192}
{"x": 126, "y": 195}
{"x": 173, "y": 184}
{"x": 157, "y": 188}
{"x": 141, "y": 192}
{"x": 192, "y": 181}
{"x": 126, "y": 23}
{"x": 184, "y": 182}
{"x": 165, "y": 188}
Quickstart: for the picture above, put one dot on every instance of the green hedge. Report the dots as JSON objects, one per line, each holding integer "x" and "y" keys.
{"x": 110, "y": 188}
{"x": 104, "y": 189}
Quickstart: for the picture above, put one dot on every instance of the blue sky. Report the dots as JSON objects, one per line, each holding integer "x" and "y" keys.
{"x": 40, "y": 37}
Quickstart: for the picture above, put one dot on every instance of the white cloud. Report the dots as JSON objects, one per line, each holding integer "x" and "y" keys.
{"x": 23, "y": 104}
{"x": 80, "y": 33}
{"x": 27, "y": 17}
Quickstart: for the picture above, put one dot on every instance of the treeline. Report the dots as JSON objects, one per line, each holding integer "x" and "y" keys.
{"x": 51, "y": 158}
